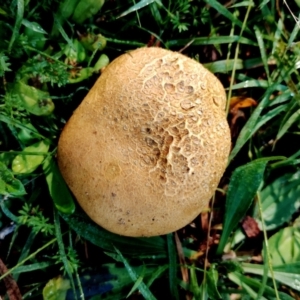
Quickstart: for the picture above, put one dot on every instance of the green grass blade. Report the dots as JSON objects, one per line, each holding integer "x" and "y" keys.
{"x": 32, "y": 267}
{"x": 250, "y": 127}
{"x": 240, "y": 281}
{"x": 243, "y": 185}
{"x": 137, "y": 6}
{"x": 277, "y": 40}
{"x": 133, "y": 275}
{"x": 172, "y": 254}
{"x": 138, "y": 282}
{"x": 156, "y": 274}
{"x": 236, "y": 55}
{"x": 251, "y": 84}
{"x": 214, "y": 40}
{"x": 282, "y": 98}
{"x": 63, "y": 32}
{"x": 291, "y": 120}
{"x": 243, "y": 3}
{"x": 11, "y": 270}
{"x": 25, "y": 250}
{"x": 293, "y": 35}
{"x": 123, "y": 42}
{"x": 224, "y": 66}
{"x": 269, "y": 116}
{"x": 266, "y": 248}
{"x": 212, "y": 277}
{"x": 18, "y": 22}
{"x": 262, "y": 49}
{"x": 264, "y": 279}
{"x": 15, "y": 123}
{"x": 156, "y": 13}
{"x": 221, "y": 9}
{"x": 199, "y": 292}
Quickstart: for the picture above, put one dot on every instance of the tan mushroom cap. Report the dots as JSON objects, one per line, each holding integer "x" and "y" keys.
{"x": 145, "y": 150}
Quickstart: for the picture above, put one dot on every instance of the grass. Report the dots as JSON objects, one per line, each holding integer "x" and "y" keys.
{"x": 246, "y": 247}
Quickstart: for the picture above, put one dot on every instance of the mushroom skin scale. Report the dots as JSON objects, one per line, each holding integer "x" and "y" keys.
{"x": 145, "y": 150}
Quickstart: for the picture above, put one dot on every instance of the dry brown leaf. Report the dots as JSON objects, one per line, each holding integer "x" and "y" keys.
{"x": 250, "y": 227}
{"x": 241, "y": 102}
{"x": 236, "y": 112}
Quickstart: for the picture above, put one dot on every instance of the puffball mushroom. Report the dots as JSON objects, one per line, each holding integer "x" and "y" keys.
{"x": 145, "y": 150}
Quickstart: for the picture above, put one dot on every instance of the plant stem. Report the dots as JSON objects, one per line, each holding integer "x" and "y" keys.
{"x": 235, "y": 59}
{"x": 269, "y": 261}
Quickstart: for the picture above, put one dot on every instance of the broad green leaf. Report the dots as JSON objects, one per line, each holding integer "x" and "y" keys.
{"x": 287, "y": 274}
{"x": 56, "y": 289}
{"x": 280, "y": 200}
{"x": 243, "y": 185}
{"x": 83, "y": 226}
{"x": 58, "y": 189}
{"x": 85, "y": 10}
{"x": 9, "y": 185}
{"x": 27, "y": 136}
{"x": 33, "y": 26}
{"x": 29, "y": 159}
{"x": 284, "y": 246}
{"x": 133, "y": 275}
{"x": 66, "y": 8}
{"x": 251, "y": 287}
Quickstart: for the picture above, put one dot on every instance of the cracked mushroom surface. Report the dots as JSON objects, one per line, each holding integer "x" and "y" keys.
{"x": 145, "y": 150}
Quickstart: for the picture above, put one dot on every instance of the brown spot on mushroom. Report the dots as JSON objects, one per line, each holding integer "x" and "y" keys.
{"x": 162, "y": 138}
{"x": 112, "y": 170}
